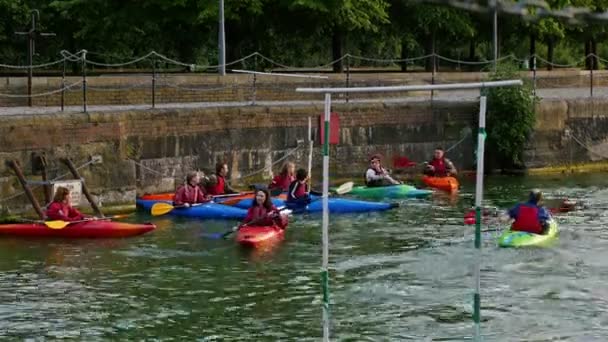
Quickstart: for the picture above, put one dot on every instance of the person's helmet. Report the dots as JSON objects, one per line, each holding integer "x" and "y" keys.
{"x": 535, "y": 196}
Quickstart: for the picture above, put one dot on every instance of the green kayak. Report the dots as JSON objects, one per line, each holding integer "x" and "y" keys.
{"x": 391, "y": 191}
{"x": 512, "y": 238}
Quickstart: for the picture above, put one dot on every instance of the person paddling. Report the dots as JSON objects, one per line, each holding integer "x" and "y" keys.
{"x": 190, "y": 193}
{"x": 218, "y": 184}
{"x": 298, "y": 195}
{"x": 440, "y": 166}
{"x": 531, "y": 216}
{"x": 284, "y": 179}
{"x": 376, "y": 175}
{"x": 263, "y": 213}
{"x": 61, "y": 209}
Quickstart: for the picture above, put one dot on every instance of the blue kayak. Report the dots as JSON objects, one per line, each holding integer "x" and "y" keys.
{"x": 336, "y": 205}
{"x": 205, "y": 211}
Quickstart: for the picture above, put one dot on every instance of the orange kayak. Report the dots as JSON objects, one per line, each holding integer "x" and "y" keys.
{"x": 449, "y": 184}
{"x": 159, "y": 197}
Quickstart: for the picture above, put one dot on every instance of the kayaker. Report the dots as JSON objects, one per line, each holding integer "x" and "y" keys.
{"x": 440, "y": 166}
{"x": 262, "y": 212}
{"x": 376, "y": 175}
{"x": 298, "y": 194}
{"x": 284, "y": 179}
{"x": 190, "y": 193}
{"x": 61, "y": 209}
{"x": 221, "y": 186}
{"x": 531, "y": 216}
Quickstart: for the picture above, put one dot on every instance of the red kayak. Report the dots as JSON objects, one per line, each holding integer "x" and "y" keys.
{"x": 88, "y": 229}
{"x": 257, "y": 236}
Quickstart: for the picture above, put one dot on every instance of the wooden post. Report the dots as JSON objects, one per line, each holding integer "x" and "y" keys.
{"x": 13, "y": 164}
{"x": 85, "y": 190}
{"x": 47, "y": 187}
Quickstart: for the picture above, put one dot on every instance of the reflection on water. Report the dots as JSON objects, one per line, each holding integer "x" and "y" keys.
{"x": 400, "y": 275}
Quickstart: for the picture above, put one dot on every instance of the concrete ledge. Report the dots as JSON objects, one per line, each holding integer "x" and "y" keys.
{"x": 577, "y": 168}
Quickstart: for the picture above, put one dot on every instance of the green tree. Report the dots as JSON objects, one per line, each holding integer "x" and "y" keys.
{"x": 510, "y": 120}
{"x": 338, "y": 18}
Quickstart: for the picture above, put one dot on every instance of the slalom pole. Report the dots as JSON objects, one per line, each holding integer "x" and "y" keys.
{"x": 481, "y": 137}
{"x": 324, "y": 267}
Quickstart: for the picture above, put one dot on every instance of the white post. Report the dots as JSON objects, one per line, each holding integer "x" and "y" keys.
{"x": 222, "y": 41}
{"x": 481, "y": 136}
{"x": 310, "y": 146}
{"x": 324, "y": 269}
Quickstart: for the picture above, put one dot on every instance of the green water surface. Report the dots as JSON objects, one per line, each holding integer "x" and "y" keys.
{"x": 404, "y": 274}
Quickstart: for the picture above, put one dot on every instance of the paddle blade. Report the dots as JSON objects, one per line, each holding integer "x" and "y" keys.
{"x": 161, "y": 209}
{"x": 57, "y": 224}
{"x": 118, "y": 216}
{"x": 345, "y": 188}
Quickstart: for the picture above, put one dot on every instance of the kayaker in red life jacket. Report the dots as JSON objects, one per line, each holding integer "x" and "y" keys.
{"x": 376, "y": 175}
{"x": 298, "y": 194}
{"x": 530, "y": 216}
{"x": 221, "y": 186}
{"x": 190, "y": 193}
{"x": 262, "y": 212}
{"x": 285, "y": 178}
{"x": 60, "y": 208}
{"x": 440, "y": 166}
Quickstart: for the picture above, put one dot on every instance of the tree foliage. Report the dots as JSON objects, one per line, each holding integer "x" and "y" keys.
{"x": 295, "y": 32}
{"x": 510, "y": 119}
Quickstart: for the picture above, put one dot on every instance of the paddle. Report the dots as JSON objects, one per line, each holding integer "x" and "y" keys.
{"x": 60, "y": 224}
{"x": 162, "y": 208}
{"x": 344, "y": 188}
{"x": 224, "y": 235}
{"x": 232, "y": 201}
{"x": 341, "y": 190}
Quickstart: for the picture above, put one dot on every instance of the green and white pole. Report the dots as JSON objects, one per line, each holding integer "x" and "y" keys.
{"x": 324, "y": 267}
{"x": 481, "y": 137}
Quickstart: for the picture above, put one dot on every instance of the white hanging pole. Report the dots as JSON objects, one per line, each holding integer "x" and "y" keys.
{"x": 481, "y": 137}
{"x": 324, "y": 269}
{"x": 421, "y": 87}
{"x": 222, "y": 41}
{"x": 310, "y": 146}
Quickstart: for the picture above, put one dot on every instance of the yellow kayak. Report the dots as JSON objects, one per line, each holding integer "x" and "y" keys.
{"x": 514, "y": 238}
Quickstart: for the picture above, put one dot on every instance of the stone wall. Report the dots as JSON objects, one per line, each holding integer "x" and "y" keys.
{"x": 150, "y": 150}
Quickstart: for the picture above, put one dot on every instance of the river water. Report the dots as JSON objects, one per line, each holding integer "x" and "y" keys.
{"x": 401, "y": 275}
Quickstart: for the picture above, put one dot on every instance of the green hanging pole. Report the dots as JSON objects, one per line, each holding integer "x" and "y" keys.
{"x": 324, "y": 267}
{"x": 481, "y": 136}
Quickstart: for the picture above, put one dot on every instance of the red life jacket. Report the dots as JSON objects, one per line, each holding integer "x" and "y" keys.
{"x": 297, "y": 190}
{"x": 259, "y": 214}
{"x": 282, "y": 182}
{"x": 527, "y": 220}
{"x": 440, "y": 168}
{"x": 217, "y": 189}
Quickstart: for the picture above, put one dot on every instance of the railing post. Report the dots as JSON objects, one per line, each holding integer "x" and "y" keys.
{"x": 154, "y": 81}
{"x": 254, "y": 89}
{"x": 534, "y": 75}
{"x": 592, "y": 63}
{"x": 347, "y": 76}
{"x": 84, "y": 80}
{"x": 63, "y": 86}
